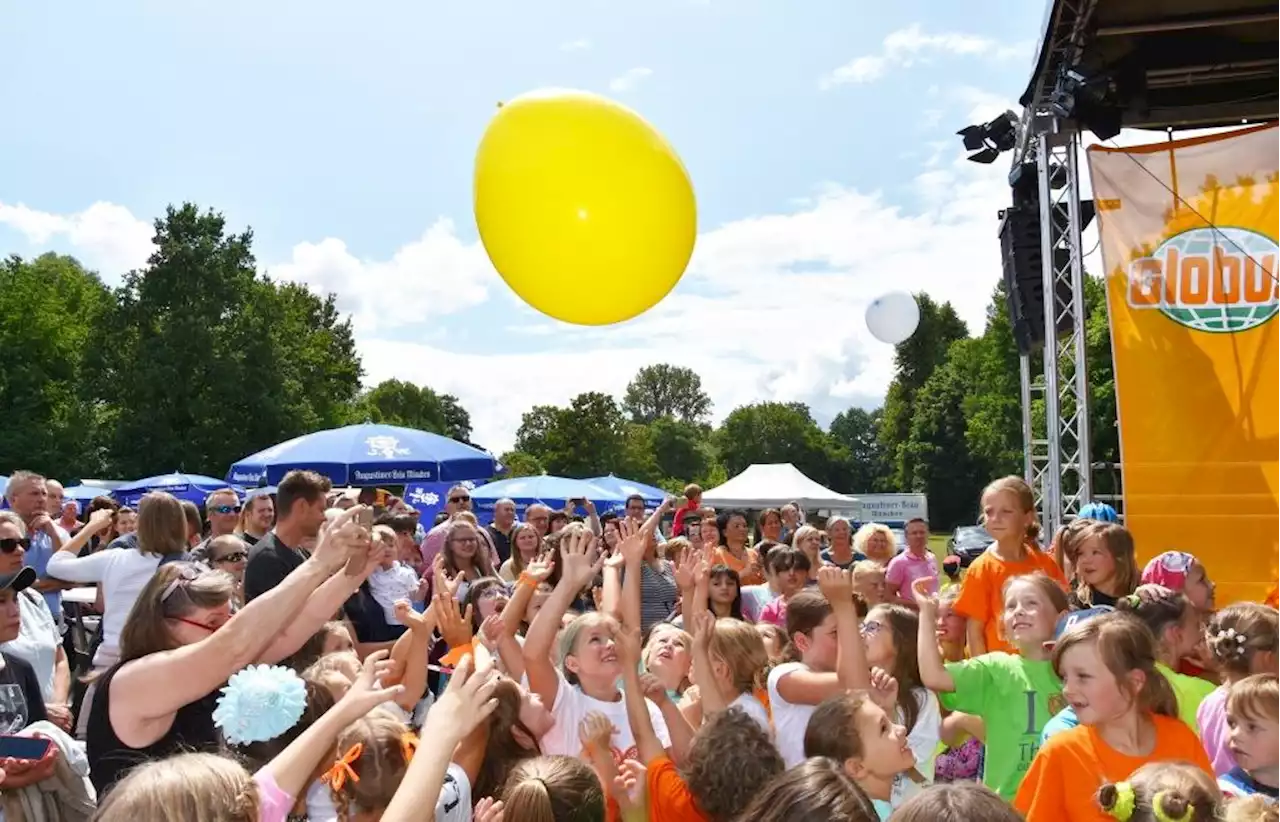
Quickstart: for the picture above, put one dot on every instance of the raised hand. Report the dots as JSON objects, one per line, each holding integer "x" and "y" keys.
{"x": 686, "y": 571}
{"x": 704, "y": 627}
{"x": 491, "y": 630}
{"x": 365, "y": 693}
{"x": 99, "y": 520}
{"x": 629, "y": 785}
{"x": 455, "y": 628}
{"x": 884, "y": 690}
{"x": 466, "y": 703}
{"x": 596, "y": 733}
{"x": 627, "y": 643}
{"x": 836, "y": 584}
{"x": 538, "y": 570}
{"x": 925, "y": 601}
{"x": 488, "y": 810}
{"x": 653, "y": 689}
{"x": 633, "y": 541}
{"x": 443, "y": 579}
{"x": 340, "y": 538}
{"x": 578, "y": 562}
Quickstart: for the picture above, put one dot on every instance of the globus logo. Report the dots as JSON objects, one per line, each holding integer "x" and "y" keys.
{"x": 1219, "y": 280}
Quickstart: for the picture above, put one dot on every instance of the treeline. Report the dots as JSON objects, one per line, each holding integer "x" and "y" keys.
{"x": 198, "y": 359}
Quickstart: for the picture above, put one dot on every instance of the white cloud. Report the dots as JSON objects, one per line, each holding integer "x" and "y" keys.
{"x": 581, "y": 44}
{"x": 910, "y": 45}
{"x": 629, "y": 79}
{"x": 104, "y": 236}
{"x": 436, "y": 274}
{"x": 771, "y": 307}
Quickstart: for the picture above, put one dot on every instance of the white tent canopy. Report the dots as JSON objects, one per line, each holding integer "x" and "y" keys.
{"x": 774, "y": 484}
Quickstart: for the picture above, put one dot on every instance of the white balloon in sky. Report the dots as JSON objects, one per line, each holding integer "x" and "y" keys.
{"x": 893, "y": 317}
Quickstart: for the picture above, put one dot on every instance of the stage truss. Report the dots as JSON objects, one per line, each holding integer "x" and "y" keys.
{"x": 1056, "y": 445}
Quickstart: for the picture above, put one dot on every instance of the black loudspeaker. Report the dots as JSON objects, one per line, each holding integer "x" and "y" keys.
{"x": 1024, "y": 275}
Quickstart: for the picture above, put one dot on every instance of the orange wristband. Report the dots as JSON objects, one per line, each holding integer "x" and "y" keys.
{"x": 525, "y": 579}
{"x": 455, "y": 655}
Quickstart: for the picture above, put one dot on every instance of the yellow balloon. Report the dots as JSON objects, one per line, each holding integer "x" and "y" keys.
{"x": 583, "y": 207}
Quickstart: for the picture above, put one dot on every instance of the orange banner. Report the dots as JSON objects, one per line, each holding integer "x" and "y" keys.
{"x": 1189, "y": 232}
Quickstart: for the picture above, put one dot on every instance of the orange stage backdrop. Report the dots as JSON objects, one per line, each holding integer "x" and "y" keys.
{"x": 1189, "y": 234}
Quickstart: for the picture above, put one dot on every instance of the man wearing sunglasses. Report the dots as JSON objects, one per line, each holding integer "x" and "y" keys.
{"x": 222, "y": 509}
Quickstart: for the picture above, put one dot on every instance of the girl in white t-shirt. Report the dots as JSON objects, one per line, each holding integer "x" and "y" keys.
{"x": 820, "y": 641}
{"x": 731, "y": 666}
{"x": 587, "y": 680}
{"x": 888, "y": 634}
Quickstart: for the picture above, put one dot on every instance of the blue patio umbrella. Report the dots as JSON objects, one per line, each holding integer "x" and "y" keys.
{"x": 367, "y": 454}
{"x": 85, "y": 494}
{"x": 190, "y": 487}
{"x": 653, "y": 497}
{"x": 546, "y": 489}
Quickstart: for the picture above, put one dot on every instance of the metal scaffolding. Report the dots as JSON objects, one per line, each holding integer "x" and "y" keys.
{"x": 1055, "y": 407}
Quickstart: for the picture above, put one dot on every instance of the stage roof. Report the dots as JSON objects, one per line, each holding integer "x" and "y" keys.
{"x": 1198, "y": 63}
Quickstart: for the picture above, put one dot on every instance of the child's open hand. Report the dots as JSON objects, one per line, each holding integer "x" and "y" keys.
{"x": 884, "y": 690}
{"x": 596, "y": 732}
{"x": 629, "y": 785}
{"x": 925, "y": 601}
{"x": 488, "y": 810}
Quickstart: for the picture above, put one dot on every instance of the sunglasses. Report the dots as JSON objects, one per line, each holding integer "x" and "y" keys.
{"x": 10, "y": 544}
{"x": 210, "y": 628}
{"x": 456, "y": 500}
{"x": 225, "y": 509}
{"x": 238, "y": 556}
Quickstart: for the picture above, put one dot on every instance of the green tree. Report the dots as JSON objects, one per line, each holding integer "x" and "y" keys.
{"x": 663, "y": 390}
{"x": 48, "y": 307}
{"x": 396, "y": 402}
{"x": 521, "y": 464}
{"x": 914, "y": 361}
{"x": 684, "y": 452}
{"x": 936, "y": 447}
{"x": 201, "y": 361}
{"x": 587, "y": 439}
{"x": 857, "y": 431}
{"x": 774, "y": 432}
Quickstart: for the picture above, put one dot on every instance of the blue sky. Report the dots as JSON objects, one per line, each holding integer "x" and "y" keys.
{"x": 819, "y": 136}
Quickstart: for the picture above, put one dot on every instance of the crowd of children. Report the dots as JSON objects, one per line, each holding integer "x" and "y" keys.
{"x": 812, "y": 675}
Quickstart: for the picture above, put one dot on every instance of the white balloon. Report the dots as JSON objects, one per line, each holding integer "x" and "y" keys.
{"x": 893, "y": 317}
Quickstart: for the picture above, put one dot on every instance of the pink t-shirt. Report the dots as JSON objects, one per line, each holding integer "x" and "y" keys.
{"x": 775, "y": 613}
{"x": 904, "y": 569}
{"x": 274, "y": 805}
{"x": 1212, "y": 718}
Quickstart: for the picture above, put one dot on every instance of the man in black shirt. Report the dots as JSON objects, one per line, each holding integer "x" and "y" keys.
{"x": 300, "y": 500}
{"x": 504, "y": 520}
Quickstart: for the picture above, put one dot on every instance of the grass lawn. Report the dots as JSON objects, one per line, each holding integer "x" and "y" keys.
{"x": 938, "y": 544}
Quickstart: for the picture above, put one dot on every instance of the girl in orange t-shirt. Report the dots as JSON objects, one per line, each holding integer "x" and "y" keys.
{"x": 1128, "y": 718}
{"x": 1008, "y": 509}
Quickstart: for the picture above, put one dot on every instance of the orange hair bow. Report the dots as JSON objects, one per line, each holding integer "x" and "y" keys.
{"x": 336, "y": 777}
{"x": 408, "y": 745}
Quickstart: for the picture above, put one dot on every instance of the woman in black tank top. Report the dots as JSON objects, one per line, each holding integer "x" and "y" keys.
{"x": 181, "y": 644}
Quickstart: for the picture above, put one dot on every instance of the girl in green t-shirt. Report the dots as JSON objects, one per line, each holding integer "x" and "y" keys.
{"x": 1011, "y": 693}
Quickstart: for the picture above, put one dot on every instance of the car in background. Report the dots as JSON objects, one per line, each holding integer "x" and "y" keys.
{"x": 968, "y": 542}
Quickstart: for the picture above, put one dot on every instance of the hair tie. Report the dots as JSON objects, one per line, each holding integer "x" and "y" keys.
{"x": 408, "y": 745}
{"x": 1231, "y": 635}
{"x": 260, "y": 703}
{"x": 1133, "y": 601}
{"x": 1125, "y": 802}
{"x": 337, "y": 775}
{"x": 1157, "y": 807}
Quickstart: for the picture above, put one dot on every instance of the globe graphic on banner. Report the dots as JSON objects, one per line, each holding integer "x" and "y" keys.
{"x": 1182, "y": 273}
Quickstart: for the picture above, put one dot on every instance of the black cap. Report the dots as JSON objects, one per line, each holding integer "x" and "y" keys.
{"x": 25, "y": 577}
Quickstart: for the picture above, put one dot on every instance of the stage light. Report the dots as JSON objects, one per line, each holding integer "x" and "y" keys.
{"x": 990, "y": 139}
{"x": 1088, "y": 101}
